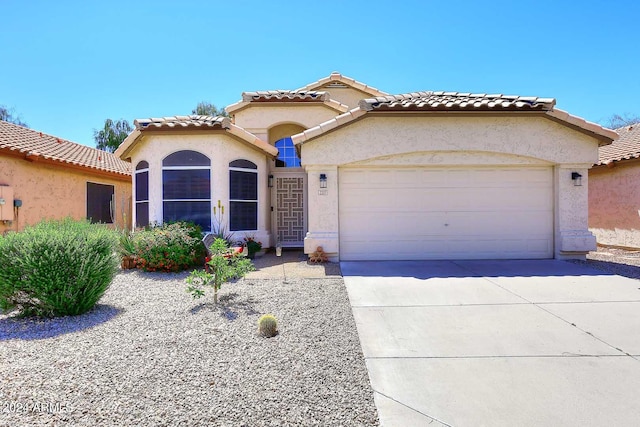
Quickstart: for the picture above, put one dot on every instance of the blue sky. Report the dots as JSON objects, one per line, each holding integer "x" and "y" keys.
{"x": 69, "y": 65}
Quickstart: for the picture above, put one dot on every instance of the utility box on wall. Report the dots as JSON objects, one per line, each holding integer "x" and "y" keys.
{"x": 6, "y": 203}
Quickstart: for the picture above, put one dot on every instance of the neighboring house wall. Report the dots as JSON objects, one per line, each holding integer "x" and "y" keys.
{"x": 614, "y": 203}
{"x": 439, "y": 140}
{"x": 55, "y": 191}
{"x": 221, "y": 150}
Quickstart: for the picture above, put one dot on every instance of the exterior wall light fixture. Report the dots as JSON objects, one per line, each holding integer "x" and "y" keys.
{"x": 577, "y": 179}
{"x": 323, "y": 180}
{"x": 270, "y": 181}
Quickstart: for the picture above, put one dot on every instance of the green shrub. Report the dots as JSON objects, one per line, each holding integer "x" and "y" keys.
{"x": 268, "y": 325}
{"x": 169, "y": 247}
{"x": 56, "y": 268}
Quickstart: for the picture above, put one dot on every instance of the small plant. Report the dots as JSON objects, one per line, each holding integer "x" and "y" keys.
{"x": 126, "y": 245}
{"x": 219, "y": 228}
{"x": 224, "y": 264}
{"x": 268, "y": 325}
{"x": 56, "y": 268}
{"x": 169, "y": 247}
{"x": 253, "y": 245}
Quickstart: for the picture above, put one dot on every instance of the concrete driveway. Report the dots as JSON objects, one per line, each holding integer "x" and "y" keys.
{"x": 498, "y": 343}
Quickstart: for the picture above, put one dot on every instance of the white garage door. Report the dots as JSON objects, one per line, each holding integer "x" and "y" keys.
{"x": 446, "y": 213}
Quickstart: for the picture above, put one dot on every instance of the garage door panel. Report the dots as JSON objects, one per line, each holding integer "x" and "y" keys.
{"x": 431, "y": 213}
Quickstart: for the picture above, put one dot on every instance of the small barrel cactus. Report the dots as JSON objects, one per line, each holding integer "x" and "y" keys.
{"x": 268, "y": 325}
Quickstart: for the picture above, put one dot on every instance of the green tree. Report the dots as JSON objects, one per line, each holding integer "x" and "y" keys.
{"x": 112, "y": 135}
{"x": 222, "y": 266}
{"x": 618, "y": 121}
{"x": 208, "y": 109}
{"x": 7, "y": 115}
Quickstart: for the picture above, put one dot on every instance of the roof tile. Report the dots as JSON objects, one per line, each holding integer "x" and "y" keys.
{"x": 624, "y": 148}
{"x": 32, "y": 142}
{"x": 429, "y": 101}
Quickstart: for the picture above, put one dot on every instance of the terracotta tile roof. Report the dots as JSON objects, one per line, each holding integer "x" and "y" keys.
{"x": 36, "y": 144}
{"x": 454, "y": 101}
{"x": 286, "y": 95}
{"x": 279, "y": 96}
{"x": 193, "y": 121}
{"x": 336, "y": 77}
{"x": 624, "y": 148}
{"x": 189, "y": 123}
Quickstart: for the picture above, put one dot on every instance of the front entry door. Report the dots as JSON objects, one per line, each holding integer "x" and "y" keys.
{"x": 289, "y": 211}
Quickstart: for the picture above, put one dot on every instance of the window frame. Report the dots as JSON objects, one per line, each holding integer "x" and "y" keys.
{"x": 190, "y": 200}
{"x": 253, "y": 170}
{"x": 112, "y": 202}
{"x": 144, "y": 202}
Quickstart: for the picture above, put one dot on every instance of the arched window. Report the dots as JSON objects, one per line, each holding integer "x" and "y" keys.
{"x": 287, "y": 155}
{"x": 186, "y": 188}
{"x": 142, "y": 194}
{"x": 243, "y": 196}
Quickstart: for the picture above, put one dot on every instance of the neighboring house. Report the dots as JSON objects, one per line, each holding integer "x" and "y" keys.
{"x": 614, "y": 191}
{"x": 42, "y": 176}
{"x": 368, "y": 176}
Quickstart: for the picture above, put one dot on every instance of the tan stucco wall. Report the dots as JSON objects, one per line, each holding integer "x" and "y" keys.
{"x": 276, "y": 133}
{"x": 261, "y": 117}
{"x": 614, "y": 204}
{"x": 53, "y": 191}
{"x": 221, "y": 149}
{"x": 348, "y": 96}
{"x": 439, "y": 140}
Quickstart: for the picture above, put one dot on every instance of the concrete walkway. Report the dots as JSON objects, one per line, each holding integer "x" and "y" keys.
{"x": 291, "y": 265}
{"x": 498, "y": 343}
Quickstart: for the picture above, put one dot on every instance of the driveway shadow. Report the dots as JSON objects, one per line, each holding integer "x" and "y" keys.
{"x": 470, "y": 268}
{"x": 31, "y": 328}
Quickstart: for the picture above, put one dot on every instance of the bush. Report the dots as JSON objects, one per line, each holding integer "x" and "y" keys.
{"x": 56, "y": 268}
{"x": 169, "y": 247}
{"x": 268, "y": 325}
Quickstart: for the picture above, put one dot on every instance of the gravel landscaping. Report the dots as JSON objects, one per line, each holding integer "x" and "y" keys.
{"x": 149, "y": 354}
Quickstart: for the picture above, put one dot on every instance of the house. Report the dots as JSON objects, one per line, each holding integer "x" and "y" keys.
{"x": 614, "y": 191}
{"x": 372, "y": 176}
{"x": 46, "y": 177}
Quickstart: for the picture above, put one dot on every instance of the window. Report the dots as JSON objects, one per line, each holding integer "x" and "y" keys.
{"x": 243, "y": 195}
{"x": 100, "y": 203}
{"x": 186, "y": 188}
{"x": 287, "y": 155}
{"x": 142, "y": 194}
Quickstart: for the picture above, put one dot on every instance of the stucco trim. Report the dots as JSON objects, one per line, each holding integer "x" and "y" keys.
{"x": 337, "y": 77}
{"x": 330, "y": 103}
{"x": 166, "y": 126}
{"x": 603, "y": 135}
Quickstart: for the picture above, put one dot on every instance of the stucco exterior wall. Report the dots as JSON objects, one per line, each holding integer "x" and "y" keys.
{"x": 614, "y": 204}
{"x": 52, "y": 191}
{"x": 221, "y": 149}
{"x": 455, "y": 140}
{"x": 259, "y": 118}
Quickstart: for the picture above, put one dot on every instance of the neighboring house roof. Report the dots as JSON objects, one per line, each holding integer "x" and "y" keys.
{"x": 336, "y": 77}
{"x": 626, "y": 147}
{"x": 282, "y": 96}
{"x": 188, "y": 124}
{"x": 457, "y": 102}
{"x": 38, "y": 146}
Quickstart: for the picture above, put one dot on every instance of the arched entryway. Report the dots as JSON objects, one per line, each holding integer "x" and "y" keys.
{"x": 289, "y": 194}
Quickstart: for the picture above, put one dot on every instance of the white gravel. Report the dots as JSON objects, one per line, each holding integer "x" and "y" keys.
{"x": 149, "y": 354}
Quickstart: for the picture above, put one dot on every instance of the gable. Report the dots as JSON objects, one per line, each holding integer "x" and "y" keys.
{"x": 370, "y": 137}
